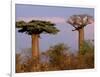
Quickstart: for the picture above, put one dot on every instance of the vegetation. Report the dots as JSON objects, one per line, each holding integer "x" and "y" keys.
{"x": 59, "y": 58}
{"x": 79, "y": 22}
{"x": 35, "y": 28}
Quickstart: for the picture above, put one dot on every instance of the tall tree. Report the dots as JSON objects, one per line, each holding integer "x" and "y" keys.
{"x": 79, "y": 22}
{"x": 35, "y": 28}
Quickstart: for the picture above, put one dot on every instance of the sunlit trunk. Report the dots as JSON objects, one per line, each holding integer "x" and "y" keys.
{"x": 81, "y": 38}
{"x": 35, "y": 46}
{"x": 35, "y": 52}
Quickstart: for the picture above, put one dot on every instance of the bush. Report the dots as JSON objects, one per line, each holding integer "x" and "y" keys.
{"x": 58, "y": 57}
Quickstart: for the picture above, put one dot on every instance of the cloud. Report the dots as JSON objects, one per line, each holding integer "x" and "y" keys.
{"x": 57, "y": 20}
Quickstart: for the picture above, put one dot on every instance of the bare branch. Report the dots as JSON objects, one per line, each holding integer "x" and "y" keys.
{"x": 79, "y": 21}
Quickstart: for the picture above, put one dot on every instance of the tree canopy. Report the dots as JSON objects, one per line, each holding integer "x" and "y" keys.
{"x": 36, "y": 27}
{"x": 79, "y": 21}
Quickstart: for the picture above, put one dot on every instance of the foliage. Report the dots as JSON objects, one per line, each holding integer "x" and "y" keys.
{"x": 57, "y": 54}
{"x": 18, "y": 63}
{"x": 86, "y": 47}
{"x": 36, "y": 27}
{"x": 59, "y": 59}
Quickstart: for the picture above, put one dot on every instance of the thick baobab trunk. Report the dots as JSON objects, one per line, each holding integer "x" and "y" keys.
{"x": 35, "y": 46}
{"x": 81, "y": 38}
{"x": 35, "y": 52}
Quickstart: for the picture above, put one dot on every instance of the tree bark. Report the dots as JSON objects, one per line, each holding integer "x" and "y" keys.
{"x": 81, "y": 38}
{"x": 35, "y": 46}
{"x": 35, "y": 52}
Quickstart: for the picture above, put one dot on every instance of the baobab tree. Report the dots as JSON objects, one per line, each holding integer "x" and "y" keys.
{"x": 35, "y": 28}
{"x": 79, "y": 22}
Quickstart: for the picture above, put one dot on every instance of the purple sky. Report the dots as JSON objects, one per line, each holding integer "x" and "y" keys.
{"x": 58, "y": 15}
